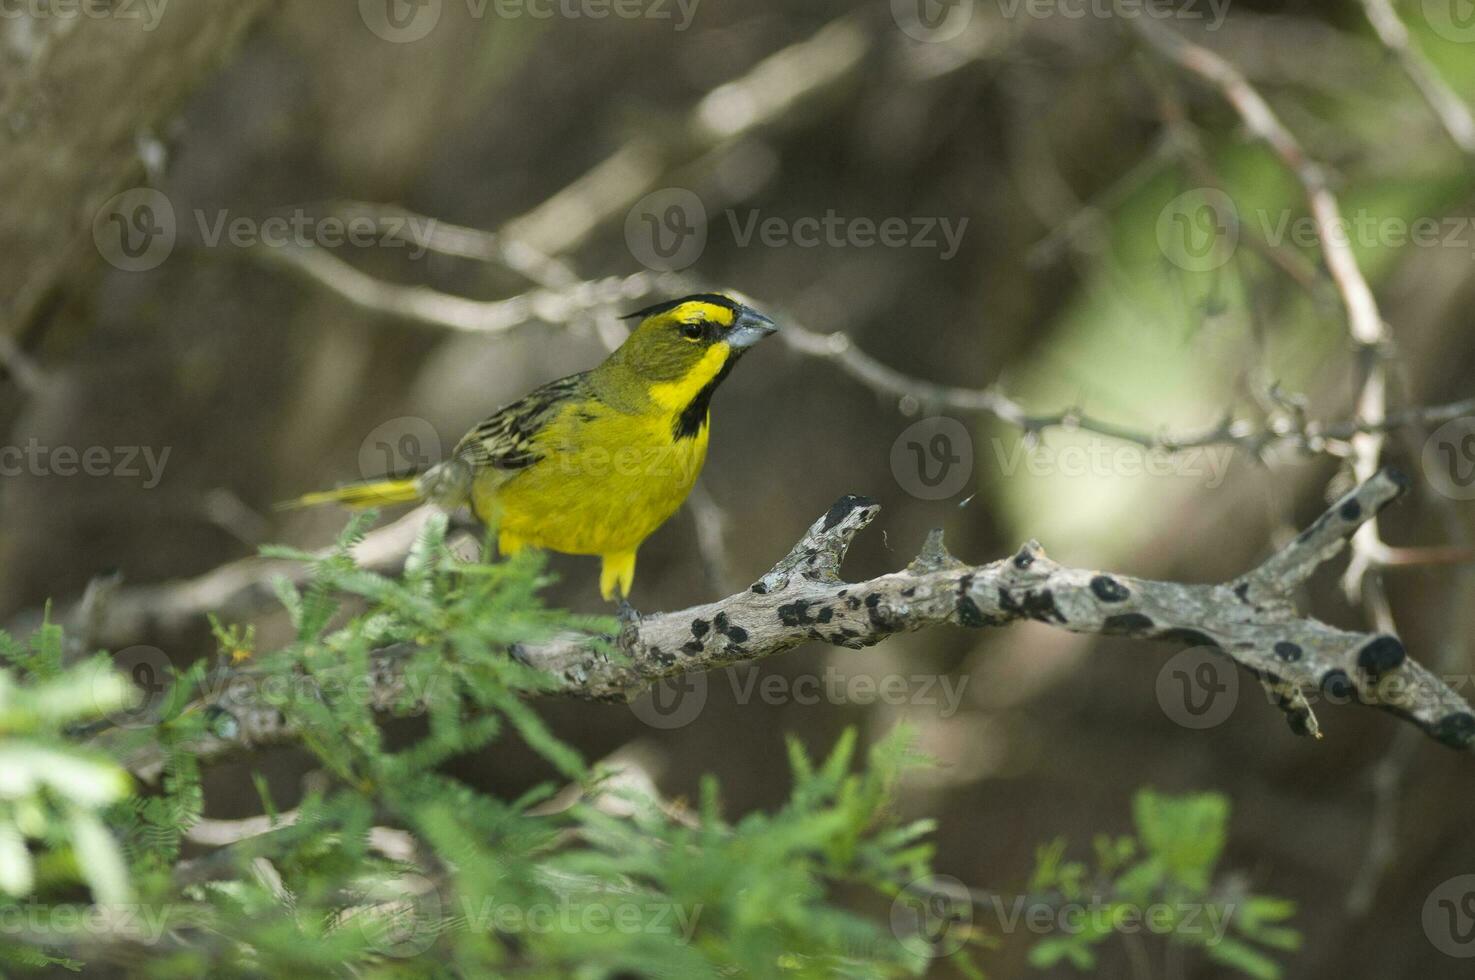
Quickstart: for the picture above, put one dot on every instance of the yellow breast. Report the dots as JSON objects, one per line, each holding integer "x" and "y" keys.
{"x": 606, "y": 481}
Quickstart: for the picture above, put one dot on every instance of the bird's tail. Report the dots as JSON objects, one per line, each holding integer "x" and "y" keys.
{"x": 376, "y": 494}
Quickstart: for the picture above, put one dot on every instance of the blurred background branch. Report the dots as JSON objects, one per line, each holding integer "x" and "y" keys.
{"x": 1173, "y": 238}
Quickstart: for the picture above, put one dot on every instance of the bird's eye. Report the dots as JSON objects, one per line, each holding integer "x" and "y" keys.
{"x": 691, "y": 331}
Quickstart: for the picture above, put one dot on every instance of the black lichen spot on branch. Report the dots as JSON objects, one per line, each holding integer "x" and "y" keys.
{"x": 1337, "y": 684}
{"x": 1039, "y": 606}
{"x": 1457, "y": 730}
{"x": 795, "y": 613}
{"x": 879, "y": 619}
{"x": 1129, "y": 624}
{"x": 1383, "y": 654}
{"x": 1350, "y": 512}
{"x": 733, "y": 632}
{"x": 841, "y": 509}
{"x": 969, "y": 614}
{"x": 1108, "y": 589}
{"x": 1288, "y": 651}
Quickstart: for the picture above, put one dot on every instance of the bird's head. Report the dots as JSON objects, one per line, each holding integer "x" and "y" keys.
{"x": 695, "y": 338}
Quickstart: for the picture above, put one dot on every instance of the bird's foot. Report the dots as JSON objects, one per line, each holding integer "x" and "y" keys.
{"x": 627, "y": 613}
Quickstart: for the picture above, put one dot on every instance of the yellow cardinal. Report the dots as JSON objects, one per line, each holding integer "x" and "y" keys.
{"x": 593, "y": 463}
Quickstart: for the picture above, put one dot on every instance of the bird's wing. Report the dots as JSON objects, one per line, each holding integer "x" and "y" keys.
{"x": 506, "y": 440}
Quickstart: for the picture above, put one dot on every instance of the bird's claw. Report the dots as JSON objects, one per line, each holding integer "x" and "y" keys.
{"x": 627, "y": 613}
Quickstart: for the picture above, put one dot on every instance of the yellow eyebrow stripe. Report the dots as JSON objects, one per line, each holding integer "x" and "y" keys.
{"x": 697, "y": 311}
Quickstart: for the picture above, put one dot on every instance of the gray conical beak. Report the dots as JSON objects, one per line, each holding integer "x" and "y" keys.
{"x": 749, "y": 328}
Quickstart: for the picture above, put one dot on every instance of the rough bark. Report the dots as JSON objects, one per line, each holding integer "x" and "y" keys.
{"x": 1252, "y": 620}
{"x": 77, "y": 96}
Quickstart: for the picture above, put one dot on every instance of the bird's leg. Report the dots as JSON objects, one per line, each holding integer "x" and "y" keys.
{"x": 617, "y": 574}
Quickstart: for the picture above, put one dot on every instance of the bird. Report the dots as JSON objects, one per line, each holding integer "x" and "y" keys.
{"x": 594, "y": 463}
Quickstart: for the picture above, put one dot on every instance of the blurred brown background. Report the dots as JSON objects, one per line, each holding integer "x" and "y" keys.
{"x": 1042, "y": 136}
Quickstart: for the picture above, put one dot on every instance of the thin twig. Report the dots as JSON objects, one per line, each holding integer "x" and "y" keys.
{"x": 1451, "y": 111}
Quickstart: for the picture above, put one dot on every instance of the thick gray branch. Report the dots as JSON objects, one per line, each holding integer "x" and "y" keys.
{"x": 1251, "y": 620}
{"x": 79, "y": 92}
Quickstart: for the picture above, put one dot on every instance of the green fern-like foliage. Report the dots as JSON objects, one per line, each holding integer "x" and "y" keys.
{"x": 53, "y": 791}
{"x": 393, "y": 868}
{"x": 1162, "y": 884}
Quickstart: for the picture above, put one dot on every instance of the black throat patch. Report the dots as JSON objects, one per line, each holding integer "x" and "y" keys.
{"x": 694, "y": 416}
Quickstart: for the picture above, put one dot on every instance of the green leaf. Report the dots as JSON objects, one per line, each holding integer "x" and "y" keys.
{"x": 1244, "y": 958}
{"x": 1047, "y": 952}
{"x": 1186, "y": 833}
{"x": 99, "y": 859}
{"x": 17, "y": 872}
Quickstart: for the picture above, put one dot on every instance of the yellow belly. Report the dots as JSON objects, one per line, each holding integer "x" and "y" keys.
{"x": 604, "y": 484}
